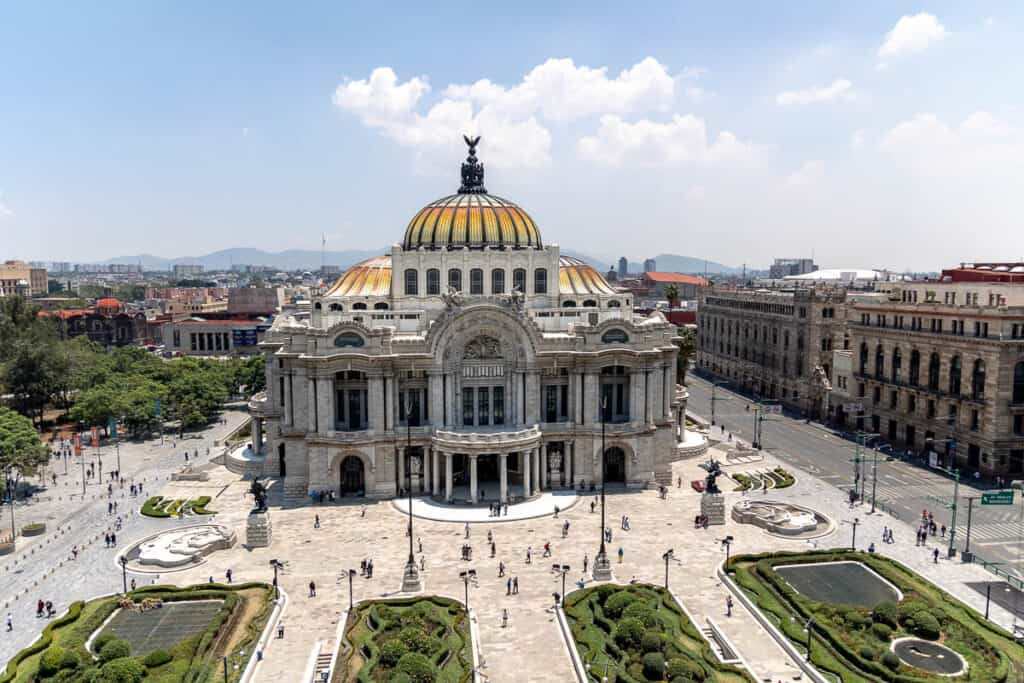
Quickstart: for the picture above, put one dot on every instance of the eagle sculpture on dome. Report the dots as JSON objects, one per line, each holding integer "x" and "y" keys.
{"x": 472, "y": 170}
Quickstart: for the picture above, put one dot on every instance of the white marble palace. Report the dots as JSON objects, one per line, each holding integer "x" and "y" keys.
{"x": 472, "y": 364}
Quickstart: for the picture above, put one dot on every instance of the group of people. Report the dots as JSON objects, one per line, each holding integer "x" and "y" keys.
{"x": 110, "y": 539}
{"x": 44, "y": 609}
{"x": 623, "y": 523}
{"x": 366, "y": 568}
{"x": 495, "y": 509}
{"x": 321, "y": 496}
{"x": 927, "y": 527}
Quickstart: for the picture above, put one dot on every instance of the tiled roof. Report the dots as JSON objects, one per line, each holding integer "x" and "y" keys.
{"x": 675, "y": 278}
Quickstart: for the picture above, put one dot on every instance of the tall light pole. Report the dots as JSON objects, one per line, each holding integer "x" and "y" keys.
{"x": 727, "y": 544}
{"x": 667, "y": 556}
{"x": 351, "y": 603}
{"x": 467, "y": 576}
{"x": 602, "y": 566}
{"x": 12, "y": 490}
{"x": 854, "y": 523}
{"x": 411, "y": 576}
{"x": 874, "y": 479}
{"x": 562, "y": 569}
{"x": 124, "y": 574}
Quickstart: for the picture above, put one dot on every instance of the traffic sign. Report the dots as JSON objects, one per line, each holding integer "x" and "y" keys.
{"x": 997, "y": 498}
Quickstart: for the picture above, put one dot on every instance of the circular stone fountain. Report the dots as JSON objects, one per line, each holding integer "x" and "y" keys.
{"x": 180, "y": 548}
{"x": 929, "y": 656}
{"x": 782, "y": 519}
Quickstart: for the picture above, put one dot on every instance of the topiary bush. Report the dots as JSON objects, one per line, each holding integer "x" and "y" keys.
{"x": 882, "y": 632}
{"x": 49, "y": 663}
{"x": 115, "y": 648}
{"x": 617, "y": 603}
{"x": 890, "y": 660}
{"x": 392, "y": 651}
{"x": 867, "y": 652}
{"x": 886, "y": 612}
{"x": 102, "y": 639}
{"x": 415, "y": 639}
{"x": 629, "y": 632}
{"x": 654, "y": 666}
{"x": 640, "y": 610}
{"x": 652, "y": 642}
{"x": 121, "y": 670}
{"x": 925, "y": 625}
{"x": 683, "y": 669}
{"x": 70, "y": 660}
{"x": 156, "y": 658}
{"x": 417, "y": 667}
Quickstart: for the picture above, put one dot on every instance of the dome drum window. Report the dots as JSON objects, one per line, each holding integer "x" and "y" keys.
{"x": 476, "y": 281}
{"x": 455, "y": 279}
{"x": 615, "y": 336}
{"x": 411, "y": 282}
{"x": 497, "y": 281}
{"x": 349, "y": 340}
{"x": 433, "y": 281}
{"x": 540, "y": 281}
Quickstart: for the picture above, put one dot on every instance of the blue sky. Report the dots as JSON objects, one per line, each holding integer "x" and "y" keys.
{"x": 878, "y": 134}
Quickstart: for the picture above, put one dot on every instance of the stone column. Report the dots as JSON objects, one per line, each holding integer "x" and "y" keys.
{"x": 375, "y": 399}
{"x": 312, "y": 419}
{"x": 325, "y": 403}
{"x": 532, "y": 398}
{"x": 447, "y": 477}
{"x": 255, "y": 434}
{"x": 472, "y": 478}
{"x": 544, "y": 466}
{"x": 436, "y": 398}
{"x": 401, "y": 467}
{"x": 503, "y": 475}
{"x": 527, "y": 465}
{"x": 592, "y": 400}
{"x": 435, "y": 472}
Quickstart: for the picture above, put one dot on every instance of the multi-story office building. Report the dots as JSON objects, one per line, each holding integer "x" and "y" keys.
{"x": 623, "y": 267}
{"x": 18, "y": 277}
{"x": 939, "y": 367}
{"x": 775, "y": 344}
{"x": 787, "y": 267}
{"x": 185, "y": 270}
{"x": 650, "y": 265}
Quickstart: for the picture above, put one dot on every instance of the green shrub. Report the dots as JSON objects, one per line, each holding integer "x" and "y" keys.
{"x": 400, "y": 677}
{"x": 617, "y": 603}
{"x": 925, "y": 625}
{"x": 157, "y": 658}
{"x": 392, "y": 651}
{"x": 640, "y": 610}
{"x": 890, "y": 660}
{"x": 683, "y": 669}
{"x": 654, "y": 666}
{"x": 882, "y": 632}
{"x": 652, "y": 642}
{"x": 102, "y": 639}
{"x": 629, "y": 632}
{"x": 121, "y": 670}
{"x": 417, "y": 667}
{"x": 198, "y": 506}
{"x": 908, "y": 608}
{"x": 855, "y": 619}
{"x": 867, "y": 652}
{"x": 114, "y": 649}
{"x": 70, "y": 660}
{"x": 154, "y": 507}
{"x": 415, "y": 639}
{"x": 886, "y": 612}
{"x": 51, "y": 660}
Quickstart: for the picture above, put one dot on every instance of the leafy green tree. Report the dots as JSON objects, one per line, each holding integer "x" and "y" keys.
{"x": 21, "y": 450}
{"x": 672, "y": 294}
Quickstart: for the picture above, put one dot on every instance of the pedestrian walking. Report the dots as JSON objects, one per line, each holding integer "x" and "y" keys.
{"x": 529, "y": 554}
{"x": 592, "y": 503}
{"x": 515, "y": 585}
{"x": 621, "y": 553}
{"x": 312, "y": 589}
{"x": 419, "y": 544}
{"x": 547, "y": 549}
{"x": 229, "y": 574}
{"x": 935, "y": 555}
{"x": 133, "y": 584}
{"x": 586, "y": 561}
{"x": 508, "y": 586}
{"x": 728, "y": 606}
{"x": 493, "y": 549}
{"x": 501, "y": 569}
{"x": 467, "y": 529}
{"x": 943, "y": 530}
{"x": 504, "y": 617}
{"x": 10, "y": 622}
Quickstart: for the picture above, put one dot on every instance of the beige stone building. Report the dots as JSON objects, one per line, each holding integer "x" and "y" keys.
{"x": 19, "y": 278}
{"x": 471, "y": 362}
{"x": 939, "y": 368}
{"x": 775, "y": 344}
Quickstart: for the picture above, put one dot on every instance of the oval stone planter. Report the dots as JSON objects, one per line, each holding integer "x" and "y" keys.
{"x": 33, "y": 529}
{"x": 7, "y": 547}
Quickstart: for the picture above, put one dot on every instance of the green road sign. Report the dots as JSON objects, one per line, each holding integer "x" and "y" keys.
{"x": 997, "y": 498}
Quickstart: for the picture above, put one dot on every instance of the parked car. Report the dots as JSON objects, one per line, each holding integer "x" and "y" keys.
{"x": 698, "y": 485}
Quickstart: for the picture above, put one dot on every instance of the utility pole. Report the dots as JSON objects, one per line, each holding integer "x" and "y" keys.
{"x": 874, "y": 479}
{"x": 967, "y": 545}
{"x": 952, "y": 527}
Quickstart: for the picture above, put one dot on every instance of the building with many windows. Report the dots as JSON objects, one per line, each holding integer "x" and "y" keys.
{"x": 472, "y": 361}
{"x": 22, "y": 279}
{"x": 775, "y": 344}
{"x": 939, "y": 367}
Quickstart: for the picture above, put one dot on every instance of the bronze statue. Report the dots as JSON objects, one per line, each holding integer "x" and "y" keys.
{"x": 472, "y": 170}
{"x": 259, "y": 493}
{"x": 714, "y": 471}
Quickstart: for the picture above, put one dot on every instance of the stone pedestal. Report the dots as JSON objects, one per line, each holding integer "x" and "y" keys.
{"x": 257, "y": 530}
{"x": 602, "y": 568}
{"x": 411, "y": 579}
{"x": 712, "y": 506}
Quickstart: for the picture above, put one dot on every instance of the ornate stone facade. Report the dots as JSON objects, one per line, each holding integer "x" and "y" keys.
{"x": 471, "y": 364}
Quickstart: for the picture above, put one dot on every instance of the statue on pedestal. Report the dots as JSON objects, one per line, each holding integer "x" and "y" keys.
{"x": 259, "y": 494}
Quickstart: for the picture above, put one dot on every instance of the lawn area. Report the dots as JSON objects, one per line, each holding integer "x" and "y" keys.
{"x": 778, "y": 478}
{"x": 412, "y": 640}
{"x": 158, "y": 506}
{"x": 183, "y": 640}
{"x": 643, "y": 635}
{"x": 854, "y": 642}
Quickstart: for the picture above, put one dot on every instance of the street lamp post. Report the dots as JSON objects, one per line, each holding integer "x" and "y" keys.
{"x": 562, "y": 569}
{"x": 275, "y": 564}
{"x": 667, "y": 556}
{"x": 727, "y": 544}
{"x": 874, "y": 479}
{"x": 411, "y": 576}
{"x": 351, "y": 602}
{"x": 11, "y": 491}
{"x": 810, "y": 635}
{"x": 854, "y": 523}
{"x": 124, "y": 574}
{"x": 602, "y": 566}
{"x": 467, "y": 576}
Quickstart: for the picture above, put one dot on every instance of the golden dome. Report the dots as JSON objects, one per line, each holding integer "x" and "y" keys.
{"x": 371, "y": 277}
{"x": 472, "y": 219}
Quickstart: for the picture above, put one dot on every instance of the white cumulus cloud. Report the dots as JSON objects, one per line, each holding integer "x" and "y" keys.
{"x": 509, "y": 118}
{"x": 807, "y": 174}
{"x": 840, "y": 88}
{"x": 683, "y": 139}
{"x": 912, "y": 33}
{"x": 982, "y": 146}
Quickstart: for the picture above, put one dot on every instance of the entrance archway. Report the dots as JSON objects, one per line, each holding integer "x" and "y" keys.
{"x": 614, "y": 465}
{"x": 353, "y": 482}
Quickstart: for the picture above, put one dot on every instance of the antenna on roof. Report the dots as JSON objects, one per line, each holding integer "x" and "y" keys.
{"x": 323, "y": 248}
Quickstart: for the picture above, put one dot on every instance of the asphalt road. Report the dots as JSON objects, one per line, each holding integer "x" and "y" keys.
{"x": 903, "y": 489}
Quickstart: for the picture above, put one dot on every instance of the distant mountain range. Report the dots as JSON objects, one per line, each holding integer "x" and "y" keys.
{"x": 309, "y": 259}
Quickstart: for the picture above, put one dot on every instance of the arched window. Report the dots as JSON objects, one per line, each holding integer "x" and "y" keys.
{"x": 589, "y": 303}
{"x": 568, "y": 304}
{"x": 615, "y": 336}
{"x": 915, "y": 367}
{"x": 933, "y": 372}
{"x": 476, "y": 281}
{"x": 433, "y": 281}
{"x": 978, "y": 380}
{"x": 411, "y": 282}
{"x": 879, "y": 362}
{"x": 380, "y": 306}
{"x": 318, "y": 306}
{"x": 540, "y": 281}
{"x": 359, "y": 307}
{"x": 1018, "y": 383}
{"x": 954, "y": 375}
{"x": 349, "y": 340}
{"x": 497, "y": 281}
{"x": 335, "y": 308}
{"x": 614, "y": 303}
{"x": 455, "y": 279}
{"x": 519, "y": 279}
{"x": 897, "y": 365}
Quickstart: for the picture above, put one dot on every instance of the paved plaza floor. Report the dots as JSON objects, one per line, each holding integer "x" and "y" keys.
{"x": 529, "y": 647}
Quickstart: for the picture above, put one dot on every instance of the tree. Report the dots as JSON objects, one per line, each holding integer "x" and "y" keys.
{"x": 672, "y": 294}
{"x": 687, "y": 348}
{"x": 29, "y": 362}
{"x": 21, "y": 450}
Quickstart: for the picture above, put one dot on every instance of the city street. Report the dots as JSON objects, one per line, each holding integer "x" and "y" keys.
{"x": 903, "y": 489}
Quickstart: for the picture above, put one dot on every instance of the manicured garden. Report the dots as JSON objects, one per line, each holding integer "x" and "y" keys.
{"x": 158, "y": 506}
{"x": 642, "y": 635}
{"x": 777, "y": 478}
{"x": 414, "y": 640}
{"x": 855, "y": 643}
{"x": 162, "y": 634}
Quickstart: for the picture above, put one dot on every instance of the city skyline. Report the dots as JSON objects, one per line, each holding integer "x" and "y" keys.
{"x": 177, "y": 130}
